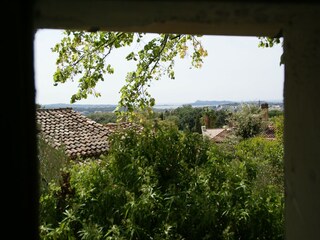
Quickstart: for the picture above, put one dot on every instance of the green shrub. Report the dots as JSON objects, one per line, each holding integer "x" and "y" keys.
{"x": 51, "y": 163}
{"x": 162, "y": 183}
{"x": 247, "y": 121}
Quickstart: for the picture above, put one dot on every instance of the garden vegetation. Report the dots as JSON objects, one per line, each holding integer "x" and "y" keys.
{"x": 164, "y": 183}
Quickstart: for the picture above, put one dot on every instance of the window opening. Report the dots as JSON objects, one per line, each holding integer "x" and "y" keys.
{"x": 218, "y": 185}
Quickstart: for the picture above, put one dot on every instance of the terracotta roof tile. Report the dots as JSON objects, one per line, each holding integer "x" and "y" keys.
{"x": 79, "y": 135}
{"x": 215, "y": 134}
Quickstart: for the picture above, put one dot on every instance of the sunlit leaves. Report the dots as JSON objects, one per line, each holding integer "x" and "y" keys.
{"x": 268, "y": 42}
{"x": 248, "y": 121}
{"x": 161, "y": 183}
{"x": 83, "y": 57}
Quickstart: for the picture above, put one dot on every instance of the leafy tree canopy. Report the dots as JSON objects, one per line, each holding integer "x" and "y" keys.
{"x": 163, "y": 183}
{"x": 83, "y": 57}
{"x": 247, "y": 121}
{"x": 268, "y": 42}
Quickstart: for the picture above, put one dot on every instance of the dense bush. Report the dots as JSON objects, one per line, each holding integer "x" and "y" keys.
{"x": 275, "y": 113}
{"x": 167, "y": 184}
{"x": 51, "y": 162}
{"x": 247, "y": 121}
{"x": 192, "y": 118}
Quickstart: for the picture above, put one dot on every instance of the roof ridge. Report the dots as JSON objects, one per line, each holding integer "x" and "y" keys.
{"x": 52, "y": 109}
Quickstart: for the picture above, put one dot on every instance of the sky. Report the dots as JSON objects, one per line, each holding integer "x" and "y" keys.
{"x": 236, "y": 69}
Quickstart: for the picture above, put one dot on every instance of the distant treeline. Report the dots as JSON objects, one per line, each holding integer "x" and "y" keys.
{"x": 95, "y": 109}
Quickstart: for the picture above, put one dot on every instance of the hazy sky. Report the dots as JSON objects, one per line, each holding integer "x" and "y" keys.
{"x": 235, "y": 69}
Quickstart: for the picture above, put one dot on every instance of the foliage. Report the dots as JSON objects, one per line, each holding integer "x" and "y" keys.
{"x": 192, "y": 118}
{"x": 189, "y": 118}
{"x": 82, "y": 56}
{"x": 250, "y": 202}
{"x": 222, "y": 118}
{"x": 268, "y": 42}
{"x": 215, "y": 118}
{"x": 247, "y": 121}
{"x": 278, "y": 122}
{"x": 162, "y": 183}
{"x": 103, "y": 117}
{"x": 274, "y": 112}
{"x": 263, "y": 155}
{"x": 208, "y": 117}
{"x": 51, "y": 162}
{"x": 173, "y": 119}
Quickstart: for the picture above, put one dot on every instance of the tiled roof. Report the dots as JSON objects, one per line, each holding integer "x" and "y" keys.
{"x": 79, "y": 135}
{"x": 215, "y": 134}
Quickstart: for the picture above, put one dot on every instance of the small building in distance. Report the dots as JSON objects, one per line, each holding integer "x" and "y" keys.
{"x": 217, "y": 135}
